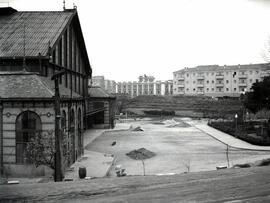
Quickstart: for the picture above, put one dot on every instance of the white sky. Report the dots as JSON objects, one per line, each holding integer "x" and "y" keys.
{"x": 128, "y": 38}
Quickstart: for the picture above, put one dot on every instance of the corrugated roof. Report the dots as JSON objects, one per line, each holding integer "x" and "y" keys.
{"x": 26, "y": 85}
{"x": 34, "y": 30}
{"x": 98, "y": 92}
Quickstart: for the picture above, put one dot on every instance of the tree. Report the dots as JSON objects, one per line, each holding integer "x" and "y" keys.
{"x": 41, "y": 150}
{"x": 259, "y": 97}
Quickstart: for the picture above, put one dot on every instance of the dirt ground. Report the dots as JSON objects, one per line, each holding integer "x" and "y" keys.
{"x": 178, "y": 148}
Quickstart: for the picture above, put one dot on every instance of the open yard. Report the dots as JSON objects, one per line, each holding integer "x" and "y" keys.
{"x": 178, "y": 149}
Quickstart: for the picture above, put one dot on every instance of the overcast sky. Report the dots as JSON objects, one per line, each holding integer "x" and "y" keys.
{"x": 128, "y": 38}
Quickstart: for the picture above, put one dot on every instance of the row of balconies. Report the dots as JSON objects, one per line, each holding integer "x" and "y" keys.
{"x": 243, "y": 84}
{"x": 219, "y": 76}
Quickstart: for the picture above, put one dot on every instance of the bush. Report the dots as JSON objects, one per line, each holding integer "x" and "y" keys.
{"x": 242, "y": 132}
{"x": 160, "y": 113}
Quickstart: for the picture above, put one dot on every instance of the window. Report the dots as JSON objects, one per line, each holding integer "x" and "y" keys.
{"x": 207, "y": 89}
{"x": 63, "y": 120}
{"x": 213, "y": 81}
{"x": 207, "y": 81}
{"x": 250, "y": 80}
{"x": 212, "y": 89}
{"x": 227, "y": 89}
{"x": 234, "y": 89}
{"x": 28, "y": 124}
{"x": 227, "y": 81}
{"x": 250, "y": 72}
{"x": 187, "y": 75}
{"x": 257, "y": 80}
{"x": 234, "y": 81}
{"x": 194, "y": 74}
{"x": 212, "y": 73}
{"x": 194, "y": 82}
{"x": 187, "y": 89}
{"x": 194, "y": 89}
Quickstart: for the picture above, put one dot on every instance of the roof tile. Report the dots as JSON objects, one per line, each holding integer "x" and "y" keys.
{"x": 40, "y": 29}
{"x": 27, "y": 85}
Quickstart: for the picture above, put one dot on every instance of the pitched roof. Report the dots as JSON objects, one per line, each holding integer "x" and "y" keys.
{"x": 98, "y": 92}
{"x": 15, "y": 85}
{"x": 32, "y": 31}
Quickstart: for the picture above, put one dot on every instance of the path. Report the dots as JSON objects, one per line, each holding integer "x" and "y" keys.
{"x": 97, "y": 164}
{"x": 224, "y": 137}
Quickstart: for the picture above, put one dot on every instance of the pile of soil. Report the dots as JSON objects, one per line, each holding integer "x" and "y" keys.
{"x": 138, "y": 128}
{"x": 139, "y": 154}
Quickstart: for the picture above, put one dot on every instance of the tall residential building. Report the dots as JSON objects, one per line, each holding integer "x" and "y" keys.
{"x": 146, "y": 85}
{"x": 108, "y": 85}
{"x": 98, "y": 81}
{"x": 218, "y": 81}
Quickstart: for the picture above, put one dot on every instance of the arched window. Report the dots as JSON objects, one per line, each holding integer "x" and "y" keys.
{"x": 28, "y": 124}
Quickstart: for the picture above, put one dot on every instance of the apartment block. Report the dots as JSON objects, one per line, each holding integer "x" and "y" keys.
{"x": 100, "y": 81}
{"x": 146, "y": 85}
{"x": 218, "y": 81}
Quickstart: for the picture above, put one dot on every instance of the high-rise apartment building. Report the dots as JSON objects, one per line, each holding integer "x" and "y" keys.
{"x": 146, "y": 85}
{"x": 98, "y": 81}
{"x": 108, "y": 85}
{"x": 218, "y": 81}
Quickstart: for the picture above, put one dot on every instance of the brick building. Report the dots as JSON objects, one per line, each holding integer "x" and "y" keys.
{"x": 34, "y": 46}
{"x": 101, "y": 107}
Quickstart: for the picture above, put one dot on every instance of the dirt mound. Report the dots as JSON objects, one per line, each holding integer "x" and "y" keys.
{"x": 139, "y": 154}
{"x": 173, "y": 123}
{"x": 138, "y": 128}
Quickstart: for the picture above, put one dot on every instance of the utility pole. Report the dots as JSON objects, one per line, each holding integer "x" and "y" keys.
{"x": 1, "y": 140}
{"x": 58, "y": 173}
{"x": 227, "y": 155}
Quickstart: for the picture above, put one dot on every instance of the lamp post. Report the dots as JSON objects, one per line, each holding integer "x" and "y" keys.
{"x": 236, "y": 116}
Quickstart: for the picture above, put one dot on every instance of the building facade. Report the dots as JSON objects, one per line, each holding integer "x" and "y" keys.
{"x": 101, "y": 107}
{"x": 98, "y": 81}
{"x": 146, "y": 85}
{"x": 33, "y": 47}
{"x": 108, "y": 85}
{"x": 218, "y": 81}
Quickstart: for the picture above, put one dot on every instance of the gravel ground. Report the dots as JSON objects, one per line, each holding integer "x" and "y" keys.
{"x": 178, "y": 149}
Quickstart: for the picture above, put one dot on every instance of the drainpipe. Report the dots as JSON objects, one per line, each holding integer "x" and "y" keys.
{"x": 1, "y": 140}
